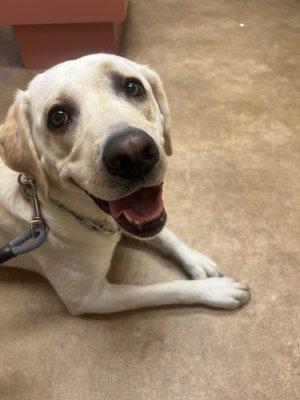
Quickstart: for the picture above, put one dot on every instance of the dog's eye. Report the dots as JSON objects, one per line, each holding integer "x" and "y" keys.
{"x": 133, "y": 88}
{"x": 58, "y": 118}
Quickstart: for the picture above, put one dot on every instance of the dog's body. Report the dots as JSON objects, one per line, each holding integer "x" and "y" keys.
{"x": 94, "y": 134}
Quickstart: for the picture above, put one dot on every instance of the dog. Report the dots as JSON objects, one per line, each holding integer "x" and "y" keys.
{"x": 95, "y": 134}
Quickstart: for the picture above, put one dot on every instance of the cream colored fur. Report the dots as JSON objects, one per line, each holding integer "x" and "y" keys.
{"x": 73, "y": 259}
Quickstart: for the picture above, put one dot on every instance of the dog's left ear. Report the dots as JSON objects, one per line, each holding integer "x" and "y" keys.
{"x": 17, "y": 148}
{"x": 161, "y": 99}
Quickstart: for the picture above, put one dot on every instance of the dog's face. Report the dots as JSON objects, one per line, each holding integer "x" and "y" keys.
{"x": 98, "y": 125}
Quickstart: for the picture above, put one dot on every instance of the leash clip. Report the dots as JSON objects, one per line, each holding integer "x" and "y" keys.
{"x": 37, "y": 234}
{"x": 28, "y": 187}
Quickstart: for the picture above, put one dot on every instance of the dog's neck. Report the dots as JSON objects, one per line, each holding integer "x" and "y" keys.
{"x": 61, "y": 223}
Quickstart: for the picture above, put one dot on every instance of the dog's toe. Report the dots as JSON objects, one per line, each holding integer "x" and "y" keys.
{"x": 199, "y": 266}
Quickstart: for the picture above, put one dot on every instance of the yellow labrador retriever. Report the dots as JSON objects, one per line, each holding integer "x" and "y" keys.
{"x": 94, "y": 133}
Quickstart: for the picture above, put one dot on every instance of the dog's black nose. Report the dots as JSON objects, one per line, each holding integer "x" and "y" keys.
{"x": 130, "y": 154}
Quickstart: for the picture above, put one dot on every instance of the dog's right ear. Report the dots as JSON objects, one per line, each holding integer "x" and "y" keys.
{"x": 17, "y": 148}
{"x": 161, "y": 99}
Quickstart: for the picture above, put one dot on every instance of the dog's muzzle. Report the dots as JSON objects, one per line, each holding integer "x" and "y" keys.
{"x": 131, "y": 155}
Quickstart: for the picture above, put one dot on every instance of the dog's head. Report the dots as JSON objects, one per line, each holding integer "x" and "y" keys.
{"x": 95, "y": 129}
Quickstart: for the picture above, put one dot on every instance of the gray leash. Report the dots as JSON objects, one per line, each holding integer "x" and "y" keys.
{"x": 37, "y": 234}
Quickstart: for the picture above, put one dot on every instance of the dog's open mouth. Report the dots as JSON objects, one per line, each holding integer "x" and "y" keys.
{"x": 141, "y": 213}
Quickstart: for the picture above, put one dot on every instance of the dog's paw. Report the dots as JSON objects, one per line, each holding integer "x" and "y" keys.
{"x": 199, "y": 266}
{"x": 223, "y": 292}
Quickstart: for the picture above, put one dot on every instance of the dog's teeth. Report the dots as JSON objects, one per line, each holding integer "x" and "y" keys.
{"x": 128, "y": 217}
{"x": 132, "y": 220}
{"x": 138, "y": 223}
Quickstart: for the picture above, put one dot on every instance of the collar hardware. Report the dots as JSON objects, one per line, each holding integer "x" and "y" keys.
{"x": 28, "y": 188}
{"x": 34, "y": 237}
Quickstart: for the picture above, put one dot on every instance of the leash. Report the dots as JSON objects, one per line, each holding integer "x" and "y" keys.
{"x": 34, "y": 237}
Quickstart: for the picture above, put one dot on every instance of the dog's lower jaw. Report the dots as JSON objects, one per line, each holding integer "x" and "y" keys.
{"x": 146, "y": 230}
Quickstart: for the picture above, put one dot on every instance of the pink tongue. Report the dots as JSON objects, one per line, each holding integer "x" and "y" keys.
{"x": 143, "y": 205}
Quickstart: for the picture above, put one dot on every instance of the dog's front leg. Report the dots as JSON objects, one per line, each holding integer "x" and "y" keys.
{"x": 104, "y": 297}
{"x": 197, "y": 265}
{"x": 80, "y": 280}
{"x": 84, "y": 288}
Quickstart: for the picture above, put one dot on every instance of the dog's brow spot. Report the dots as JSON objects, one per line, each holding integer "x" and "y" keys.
{"x": 63, "y": 97}
{"x": 106, "y": 67}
